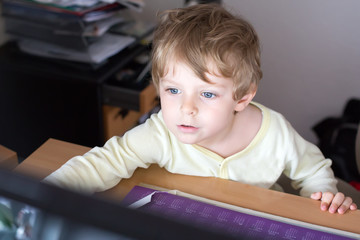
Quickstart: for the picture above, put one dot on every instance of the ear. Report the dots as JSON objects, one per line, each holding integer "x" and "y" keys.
{"x": 245, "y": 100}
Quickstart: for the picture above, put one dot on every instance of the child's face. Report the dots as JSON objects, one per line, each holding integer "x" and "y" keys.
{"x": 197, "y": 112}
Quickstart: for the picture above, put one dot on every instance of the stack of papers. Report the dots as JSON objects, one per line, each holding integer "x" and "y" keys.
{"x": 88, "y": 5}
{"x": 76, "y": 30}
{"x": 107, "y": 46}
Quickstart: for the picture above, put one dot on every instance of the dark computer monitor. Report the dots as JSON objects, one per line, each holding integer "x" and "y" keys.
{"x": 71, "y": 215}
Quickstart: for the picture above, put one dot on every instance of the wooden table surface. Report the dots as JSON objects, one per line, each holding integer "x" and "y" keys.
{"x": 53, "y": 153}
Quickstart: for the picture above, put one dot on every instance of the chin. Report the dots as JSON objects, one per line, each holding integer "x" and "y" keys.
{"x": 186, "y": 140}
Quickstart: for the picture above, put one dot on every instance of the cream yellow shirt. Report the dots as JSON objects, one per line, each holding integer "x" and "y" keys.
{"x": 277, "y": 148}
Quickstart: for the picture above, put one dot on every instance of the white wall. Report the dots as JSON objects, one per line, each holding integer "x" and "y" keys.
{"x": 310, "y": 56}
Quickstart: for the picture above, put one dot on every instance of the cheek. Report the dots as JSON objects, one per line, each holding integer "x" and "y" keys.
{"x": 219, "y": 115}
{"x": 167, "y": 109}
{"x": 219, "y": 108}
{"x": 169, "y": 118}
{"x": 165, "y": 103}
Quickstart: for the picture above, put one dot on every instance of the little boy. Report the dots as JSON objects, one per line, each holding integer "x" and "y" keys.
{"x": 206, "y": 68}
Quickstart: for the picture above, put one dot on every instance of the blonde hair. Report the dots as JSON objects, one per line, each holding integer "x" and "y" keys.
{"x": 203, "y": 34}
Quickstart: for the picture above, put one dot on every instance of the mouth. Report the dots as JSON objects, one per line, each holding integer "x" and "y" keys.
{"x": 187, "y": 128}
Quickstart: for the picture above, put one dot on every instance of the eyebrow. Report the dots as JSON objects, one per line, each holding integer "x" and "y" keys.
{"x": 164, "y": 79}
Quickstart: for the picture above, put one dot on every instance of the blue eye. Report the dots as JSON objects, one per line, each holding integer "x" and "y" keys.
{"x": 208, "y": 95}
{"x": 173, "y": 90}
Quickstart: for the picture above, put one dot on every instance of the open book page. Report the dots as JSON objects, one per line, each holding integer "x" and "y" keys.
{"x": 232, "y": 219}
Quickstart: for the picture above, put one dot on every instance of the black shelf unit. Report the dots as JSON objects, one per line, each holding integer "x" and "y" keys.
{"x": 44, "y": 98}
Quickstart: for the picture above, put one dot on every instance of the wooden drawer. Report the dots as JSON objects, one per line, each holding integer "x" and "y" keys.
{"x": 117, "y": 120}
{"x": 125, "y": 107}
{"x": 148, "y": 99}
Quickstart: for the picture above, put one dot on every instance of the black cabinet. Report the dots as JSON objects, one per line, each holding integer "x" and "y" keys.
{"x": 44, "y": 98}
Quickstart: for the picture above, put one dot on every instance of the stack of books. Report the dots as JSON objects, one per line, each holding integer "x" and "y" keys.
{"x": 69, "y": 29}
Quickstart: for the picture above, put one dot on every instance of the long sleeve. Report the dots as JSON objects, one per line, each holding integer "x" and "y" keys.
{"x": 103, "y": 167}
{"x": 307, "y": 166}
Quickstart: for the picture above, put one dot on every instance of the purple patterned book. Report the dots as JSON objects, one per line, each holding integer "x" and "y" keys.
{"x": 223, "y": 219}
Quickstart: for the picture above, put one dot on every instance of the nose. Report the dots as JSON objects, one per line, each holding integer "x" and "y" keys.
{"x": 189, "y": 106}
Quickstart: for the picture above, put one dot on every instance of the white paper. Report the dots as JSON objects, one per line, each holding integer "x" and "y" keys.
{"x": 107, "y": 46}
{"x": 132, "y": 4}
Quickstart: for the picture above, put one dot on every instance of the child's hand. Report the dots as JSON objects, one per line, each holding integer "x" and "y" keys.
{"x": 334, "y": 203}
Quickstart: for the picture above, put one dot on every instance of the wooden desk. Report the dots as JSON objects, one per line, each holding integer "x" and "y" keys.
{"x": 53, "y": 153}
{"x": 8, "y": 158}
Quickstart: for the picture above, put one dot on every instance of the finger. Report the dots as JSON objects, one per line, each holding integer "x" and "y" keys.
{"x": 316, "y": 195}
{"x": 326, "y": 199}
{"x": 353, "y": 206}
{"x": 345, "y": 205}
{"x": 337, "y": 201}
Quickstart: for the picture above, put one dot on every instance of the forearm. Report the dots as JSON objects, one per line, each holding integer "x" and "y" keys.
{"x": 97, "y": 170}
{"x": 322, "y": 180}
